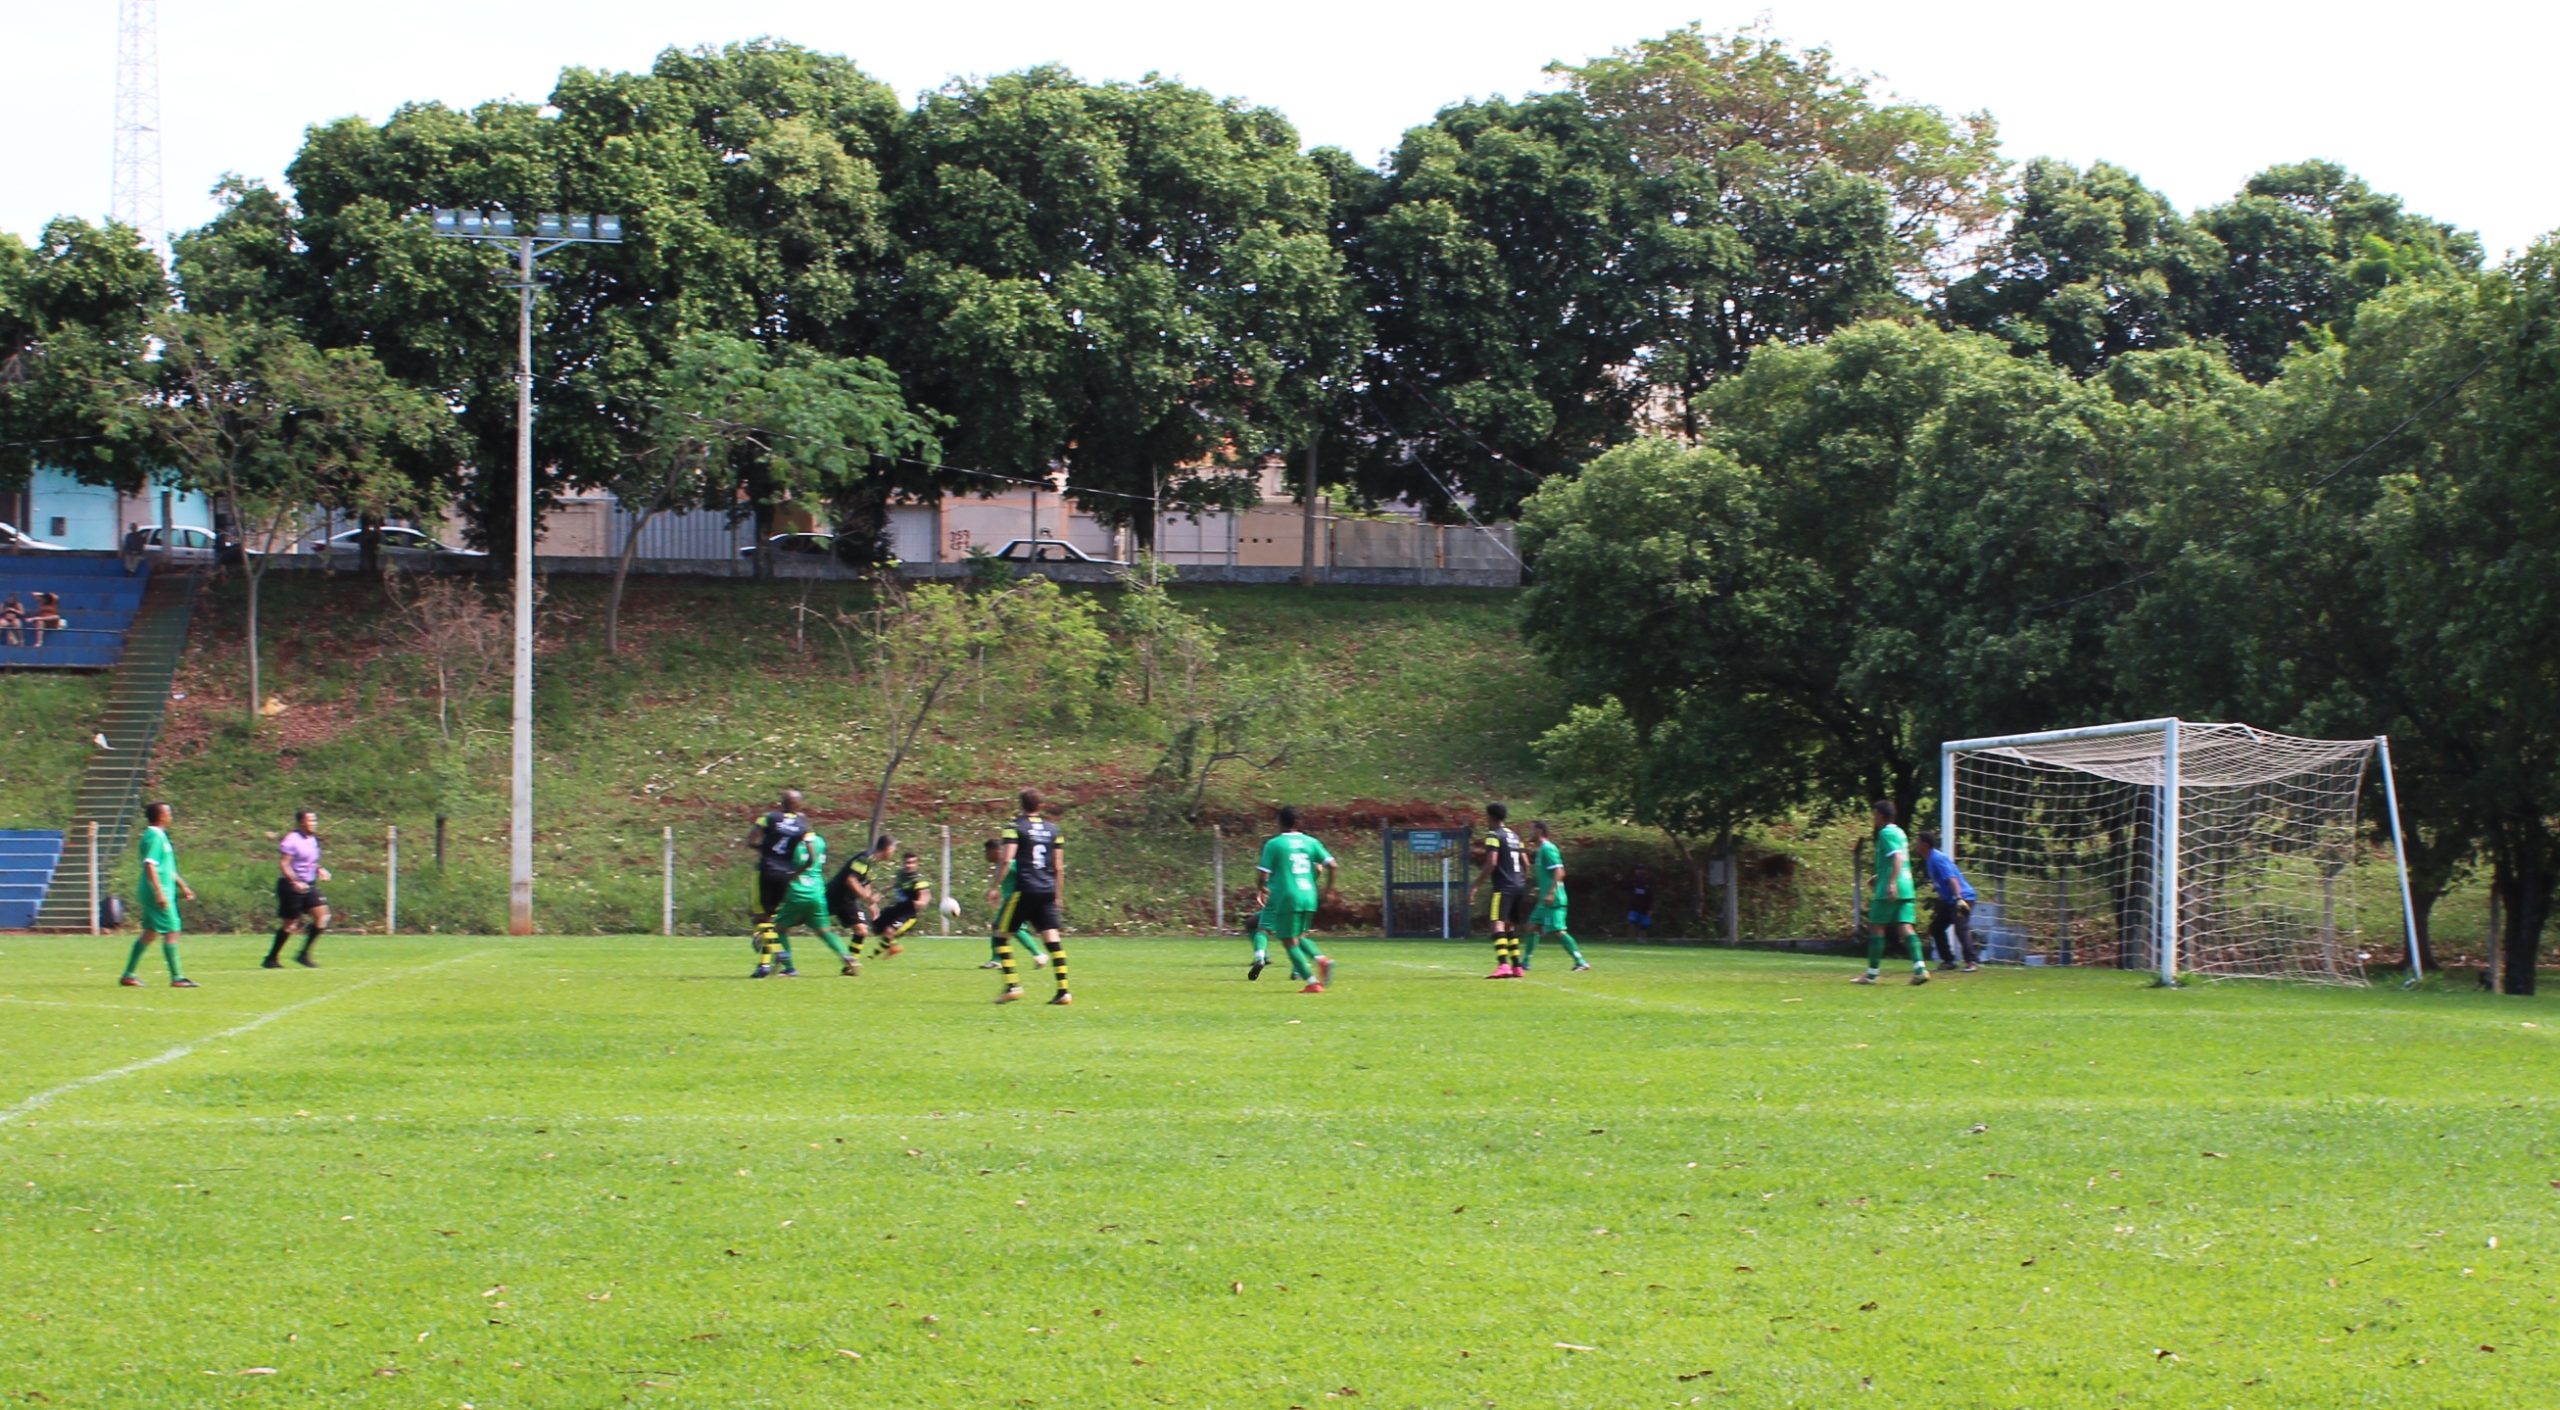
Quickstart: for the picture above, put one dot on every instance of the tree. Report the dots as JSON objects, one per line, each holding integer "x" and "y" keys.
{"x": 267, "y": 426}
{"x": 1751, "y": 113}
{"x": 811, "y": 424}
{"x": 918, "y": 646}
{"x": 75, "y": 313}
{"x": 2094, "y": 265}
{"x": 1129, "y": 280}
{"x": 2381, "y": 559}
{"x": 1891, "y": 539}
{"x": 2304, "y": 244}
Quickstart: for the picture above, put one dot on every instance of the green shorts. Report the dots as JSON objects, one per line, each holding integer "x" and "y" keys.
{"x": 1548, "y": 917}
{"x": 795, "y": 911}
{"x": 1287, "y": 923}
{"x": 156, "y": 918}
{"x": 1892, "y": 912}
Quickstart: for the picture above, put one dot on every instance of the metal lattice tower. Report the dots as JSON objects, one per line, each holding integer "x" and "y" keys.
{"x": 134, "y": 193}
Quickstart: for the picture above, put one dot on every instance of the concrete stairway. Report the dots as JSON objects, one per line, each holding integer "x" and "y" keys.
{"x": 111, "y": 785}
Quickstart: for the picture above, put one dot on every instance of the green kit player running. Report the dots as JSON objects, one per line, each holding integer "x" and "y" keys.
{"x": 1891, "y": 910}
{"x": 1548, "y": 919}
{"x": 1288, "y": 899}
{"x": 159, "y": 908}
{"x": 804, "y": 902}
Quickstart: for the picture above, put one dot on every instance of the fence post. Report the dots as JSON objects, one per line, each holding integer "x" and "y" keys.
{"x": 93, "y": 876}
{"x": 667, "y": 892}
{"x": 1218, "y": 875}
{"x": 391, "y": 883}
{"x": 943, "y": 925}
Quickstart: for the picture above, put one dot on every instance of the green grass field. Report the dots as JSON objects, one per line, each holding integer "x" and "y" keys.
{"x": 444, "y": 1172}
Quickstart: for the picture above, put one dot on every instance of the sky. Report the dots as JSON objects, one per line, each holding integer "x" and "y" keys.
{"x": 2446, "y": 105}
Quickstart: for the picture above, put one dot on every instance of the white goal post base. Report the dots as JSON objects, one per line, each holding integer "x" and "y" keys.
{"x": 2169, "y": 845}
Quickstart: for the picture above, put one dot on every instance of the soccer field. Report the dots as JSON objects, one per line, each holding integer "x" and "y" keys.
{"x": 596, "y": 1172}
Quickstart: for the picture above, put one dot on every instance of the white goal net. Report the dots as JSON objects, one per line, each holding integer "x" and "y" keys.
{"x": 2167, "y": 846}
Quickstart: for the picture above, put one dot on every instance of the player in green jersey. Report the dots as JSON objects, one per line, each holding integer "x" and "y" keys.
{"x": 804, "y": 902}
{"x": 1547, "y": 876}
{"x": 157, "y": 892}
{"x": 1891, "y": 909}
{"x": 1288, "y": 894}
{"x": 1022, "y": 933}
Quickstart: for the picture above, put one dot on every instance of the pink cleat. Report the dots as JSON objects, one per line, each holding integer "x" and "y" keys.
{"x": 1324, "y": 973}
{"x": 1503, "y": 971}
{"x": 1313, "y": 988}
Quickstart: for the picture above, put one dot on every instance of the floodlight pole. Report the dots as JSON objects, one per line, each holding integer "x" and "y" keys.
{"x": 547, "y": 232}
{"x": 520, "y": 788}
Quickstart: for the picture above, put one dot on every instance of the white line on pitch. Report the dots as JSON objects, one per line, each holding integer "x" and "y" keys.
{"x": 47, "y": 1097}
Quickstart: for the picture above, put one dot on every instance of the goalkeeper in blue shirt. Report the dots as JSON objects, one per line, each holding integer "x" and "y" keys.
{"x": 1951, "y": 910}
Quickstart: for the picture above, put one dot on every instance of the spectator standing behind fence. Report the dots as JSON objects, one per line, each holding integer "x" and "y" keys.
{"x": 1640, "y": 900}
{"x": 12, "y": 616}
{"x": 1951, "y": 910}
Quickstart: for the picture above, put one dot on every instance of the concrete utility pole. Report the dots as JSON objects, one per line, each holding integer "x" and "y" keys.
{"x": 1307, "y": 551}
{"x": 550, "y": 231}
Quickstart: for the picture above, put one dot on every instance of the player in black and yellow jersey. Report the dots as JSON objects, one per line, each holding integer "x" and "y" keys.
{"x": 776, "y": 840}
{"x": 910, "y": 896}
{"x": 1503, "y": 865}
{"x": 853, "y": 896}
{"x": 1029, "y": 848}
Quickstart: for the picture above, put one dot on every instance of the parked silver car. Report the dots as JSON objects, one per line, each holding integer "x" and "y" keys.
{"x": 16, "y": 540}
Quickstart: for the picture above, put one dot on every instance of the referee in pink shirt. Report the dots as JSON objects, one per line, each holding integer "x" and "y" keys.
{"x": 298, "y": 898}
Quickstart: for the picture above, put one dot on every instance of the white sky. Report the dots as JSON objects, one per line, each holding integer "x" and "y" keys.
{"x": 2446, "y": 104}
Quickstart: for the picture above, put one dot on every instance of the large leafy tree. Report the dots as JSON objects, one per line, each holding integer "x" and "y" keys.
{"x": 75, "y": 312}
{"x": 2378, "y": 558}
{"x": 1497, "y": 260}
{"x": 268, "y": 425}
{"x": 800, "y": 423}
{"x": 1893, "y": 538}
{"x": 1132, "y": 280}
{"x": 2303, "y": 244}
{"x": 2094, "y": 265}
{"x": 1752, "y": 112}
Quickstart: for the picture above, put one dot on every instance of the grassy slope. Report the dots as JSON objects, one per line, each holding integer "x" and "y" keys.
{"x": 44, "y": 739}
{"x": 721, "y": 707}
{"x": 555, "y": 1173}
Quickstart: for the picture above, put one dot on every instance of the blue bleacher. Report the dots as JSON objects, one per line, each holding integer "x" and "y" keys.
{"x": 27, "y": 862}
{"x": 99, "y": 600}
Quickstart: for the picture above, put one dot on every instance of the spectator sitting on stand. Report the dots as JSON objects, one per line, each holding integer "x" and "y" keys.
{"x": 48, "y": 613}
{"x": 11, "y": 616}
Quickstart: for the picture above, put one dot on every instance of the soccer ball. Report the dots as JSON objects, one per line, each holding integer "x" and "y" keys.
{"x": 951, "y": 907}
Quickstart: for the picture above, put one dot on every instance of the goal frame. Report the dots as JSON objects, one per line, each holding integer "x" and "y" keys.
{"x": 2166, "y": 845}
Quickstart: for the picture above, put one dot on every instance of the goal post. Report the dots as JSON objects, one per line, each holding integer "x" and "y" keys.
{"x": 2169, "y": 845}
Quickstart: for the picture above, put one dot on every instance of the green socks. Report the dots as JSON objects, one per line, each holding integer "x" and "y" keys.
{"x": 133, "y": 959}
{"x": 169, "y": 952}
{"x": 1570, "y": 948}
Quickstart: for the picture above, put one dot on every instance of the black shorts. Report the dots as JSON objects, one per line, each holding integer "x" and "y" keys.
{"x": 292, "y": 904}
{"x": 895, "y": 914}
{"x": 844, "y": 907}
{"x": 1510, "y": 907}
{"x": 769, "y": 892}
{"x": 1036, "y": 909}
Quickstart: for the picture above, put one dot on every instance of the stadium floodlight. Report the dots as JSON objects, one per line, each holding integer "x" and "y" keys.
{"x": 2169, "y": 845}
{"x": 551, "y": 230}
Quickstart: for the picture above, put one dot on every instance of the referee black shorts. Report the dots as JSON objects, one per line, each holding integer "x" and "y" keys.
{"x": 293, "y": 904}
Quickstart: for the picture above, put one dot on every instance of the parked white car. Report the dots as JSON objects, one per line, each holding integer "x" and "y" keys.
{"x": 16, "y": 540}
{"x": 1051, "y": 551}
{"x": 396, "y": 538}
